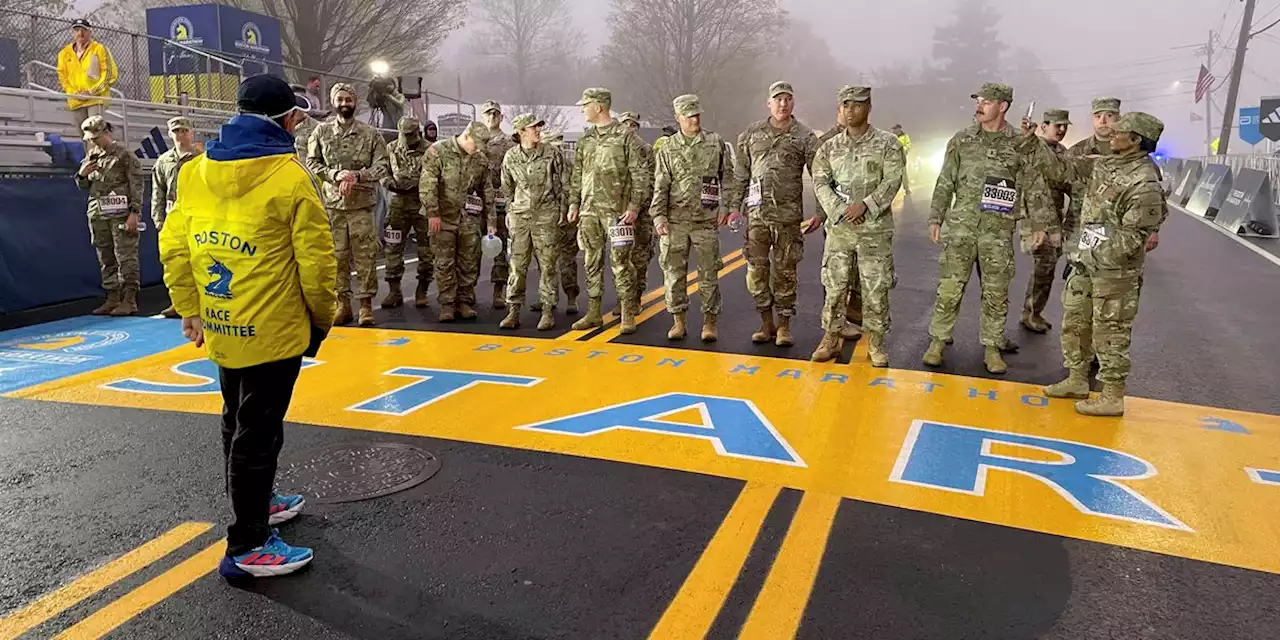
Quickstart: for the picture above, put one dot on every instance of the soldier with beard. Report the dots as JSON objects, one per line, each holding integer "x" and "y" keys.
{"x": 405, "y": 213}
{"x": 350, "y": 157}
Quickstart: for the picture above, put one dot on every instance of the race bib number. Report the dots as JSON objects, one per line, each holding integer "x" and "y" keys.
{"x": 500, "y": 202}
{"x": 998, "y": 196}
{"x": 754, "y": 198}
{"x": 474, "y": 205}
{"x": 114, "y": 205}
{"x": 622, "y": 235}
{"x": 1092, "y": 236}
{"x": 710, "y": 192}
{"x": 392, "y": 236}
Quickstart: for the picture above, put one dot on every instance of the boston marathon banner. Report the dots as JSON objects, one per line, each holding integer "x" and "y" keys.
{"x": 247, "y": 38}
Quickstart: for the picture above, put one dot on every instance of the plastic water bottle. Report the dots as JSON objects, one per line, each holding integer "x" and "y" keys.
{"x": 737, "y": 223}
{"x": 490, "y": 246}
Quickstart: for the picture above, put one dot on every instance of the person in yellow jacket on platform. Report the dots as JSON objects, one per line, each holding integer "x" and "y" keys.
{"x": 249, "y": 263}
{"x": 87, "y": 71}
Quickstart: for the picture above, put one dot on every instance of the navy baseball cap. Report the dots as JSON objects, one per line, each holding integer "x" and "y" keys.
{"x": 80, "y": 23}
{"x": 269, "y": 96}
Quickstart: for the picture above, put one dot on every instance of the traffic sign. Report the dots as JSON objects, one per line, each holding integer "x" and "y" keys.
{"x": 1269, "y": 126}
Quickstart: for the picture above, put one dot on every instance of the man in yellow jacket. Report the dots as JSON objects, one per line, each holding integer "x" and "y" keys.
{"x": 87, "y": 71}
{"x": 249, "y": 263}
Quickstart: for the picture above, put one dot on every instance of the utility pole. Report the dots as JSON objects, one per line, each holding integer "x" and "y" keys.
{"x": 1237, "y": 68}
{"x": 1208, "y": 100}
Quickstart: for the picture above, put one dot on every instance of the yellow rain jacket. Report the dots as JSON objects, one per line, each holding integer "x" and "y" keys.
{"x": 247, "y": 247}
{"x": 93, "y": 72}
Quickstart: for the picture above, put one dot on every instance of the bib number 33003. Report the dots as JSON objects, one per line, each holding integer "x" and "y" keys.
{"x": 998, "y": 196}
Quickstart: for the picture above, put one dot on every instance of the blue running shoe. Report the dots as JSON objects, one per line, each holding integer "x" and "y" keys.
{"x": 275, "y": 558}
{"x": 284, "y": 508}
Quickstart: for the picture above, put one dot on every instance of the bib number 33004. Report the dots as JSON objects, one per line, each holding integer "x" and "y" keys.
{"x": 998, "y": 196}
{"x": 114, "y": 205}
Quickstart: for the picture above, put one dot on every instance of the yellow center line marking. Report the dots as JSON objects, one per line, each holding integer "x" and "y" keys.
{"x": 781, "y": 603}
{"x": 653, "y": 310}
{"x": 649, "y": 296}
{"x": 110, "y": 617}
{"x": 48, "y": 606}
{"x": 703, "y": 593}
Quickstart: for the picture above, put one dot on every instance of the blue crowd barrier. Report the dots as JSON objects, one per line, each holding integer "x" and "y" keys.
{"x": 46, "y": 256}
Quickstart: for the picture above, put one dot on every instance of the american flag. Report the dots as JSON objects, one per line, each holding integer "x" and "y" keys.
{"x": 1203, "y": 83}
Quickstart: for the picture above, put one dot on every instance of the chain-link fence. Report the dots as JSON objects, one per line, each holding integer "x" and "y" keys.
{"x": 40, "y": 38}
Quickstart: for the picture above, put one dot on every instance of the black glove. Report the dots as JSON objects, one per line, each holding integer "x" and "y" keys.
{"x": 317, "y": 336}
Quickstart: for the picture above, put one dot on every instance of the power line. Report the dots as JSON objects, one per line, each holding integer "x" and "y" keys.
{"x": 1113, "y": 65}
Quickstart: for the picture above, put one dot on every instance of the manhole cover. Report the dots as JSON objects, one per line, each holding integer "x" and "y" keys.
{"x": 348, "y": 473}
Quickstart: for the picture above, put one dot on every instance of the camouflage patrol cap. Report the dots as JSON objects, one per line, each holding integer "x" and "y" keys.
{"x": 780, "y": 87}
{"x": 995, "y": 91}
{"x": 854, "y": 94}
{"x": 409, "y": 124}
{"x": 1143, "y": 124}
{"x": 180, "y": 122}
{"x": 596, "y": 94}
{"x": 686, "y": 105}
{"x": 629, "y": 116}
{"x": 555, "y": 138}
{"x": 94, "y": 126}
{"x": 477, "y": 131}
{"x": 1106, "y": 104}
{"x": 526, "y": 120}
{"x": 1057, "y": 116}
{"x": 490, "y": 105}
{"x": 339, "y": 87}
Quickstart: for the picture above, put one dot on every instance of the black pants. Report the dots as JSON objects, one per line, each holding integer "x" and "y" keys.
{"x": 255, "y": 400}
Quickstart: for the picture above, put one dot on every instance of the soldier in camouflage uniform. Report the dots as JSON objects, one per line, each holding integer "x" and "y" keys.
{"x": 350, "y": 158}
{"x": 985, "y": 186}
{"x": 643, "y": 248}
{"x": 1045, "y": 257}
{"x": 164, "y": 176}
{"x": 772, "y": 157}
{"x": 690, "y": 204}
{"x": 534, "y": 177}
{"x": 1123, "y": 206}
{"x": 404, "y": 213}
{"x": 856, "y": 175}
{"x": 302, "y": 133}
{"x": 457, "y": 196}
{"x": 853, "y": 311}
{"x": 609, "y": 185}
{"x": 566, "y": 264}
{"x": 113, "y": 178}
{"x": 496, "y": 150}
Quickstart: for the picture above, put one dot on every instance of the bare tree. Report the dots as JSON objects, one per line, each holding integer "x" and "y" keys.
{"x": 663, "y": 48}
{"x": 524, "y": 41}
{"x": 555, "y": 118}
{"x": 340, "y": 36}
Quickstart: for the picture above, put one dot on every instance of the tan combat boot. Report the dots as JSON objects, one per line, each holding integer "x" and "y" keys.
{"x": 499, "y": 296}
{"x": 113, "y": 301}
{"x": 994, "y": 361}
{"x": 342, "y": 314}
{"x": 468, "y": 312}
{"x": 512, "y": 321}
{"x": 851, "y": 330}
{"x": 875, "y": 350}
{"x": 1108, "y": 403}
{"x": 1007, "y": 345}
{"x": 1033, "y": 322}
{"x": 677, "y": 331}
{"x": 592, "y": 319}
{"x": 394, "y": 298}
{"x": 933, "y": 356}
{"x": 784, "y": 338}
{"x": 536, "y": 306}
{"x": 628, "y": 325}
{"x": 366, "y": 312}
{"x": 767, "y": 330}
{"x": 547, "y": 321}
{"x": 1076, "y": 386}
{"x": 829, "y": 348}
{"x": 447, "y": 314}
{"x": 128, "y": 304}
{"x": 709, "y": 333}
{"x": 420, "y": 296}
